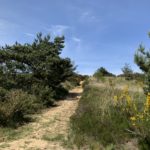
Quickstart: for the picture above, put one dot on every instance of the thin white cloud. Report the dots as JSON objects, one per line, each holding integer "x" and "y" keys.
{"x": 75, "y": 39}
{"x": 88, "y": 16}
{"x": 57, "y": 30}
{"x": 29, "y": 34}
{"x": 77, "y": 43}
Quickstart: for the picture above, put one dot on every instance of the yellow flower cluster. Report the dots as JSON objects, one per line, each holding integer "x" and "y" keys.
{"x": 115, "y": 99}
{"x": 143, "y": 115}
{"x": 147, "y": 103}
{"x": 124, "y": 98}
{"x": 125, "y": 102}
{"x": 133, "y": 118}
{"x": 137, "y": 117}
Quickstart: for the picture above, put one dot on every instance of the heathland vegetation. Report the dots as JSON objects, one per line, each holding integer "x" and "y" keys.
{"x": 113, "y": 112}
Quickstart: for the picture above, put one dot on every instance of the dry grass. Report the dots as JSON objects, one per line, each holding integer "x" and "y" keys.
{"x": 96, "y": 122}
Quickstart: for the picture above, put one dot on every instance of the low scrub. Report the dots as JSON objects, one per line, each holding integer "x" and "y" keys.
{"x": 16, "y": 106}
{"x": 111, "y": 117}
{"x": 44, "y": 94}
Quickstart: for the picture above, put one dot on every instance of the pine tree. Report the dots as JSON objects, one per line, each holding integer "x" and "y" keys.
{"x": 36, "y": 68}
{"x": 101, "y": 72}
{"x": 142, "y": 59}
{"x": 127, "y": 72}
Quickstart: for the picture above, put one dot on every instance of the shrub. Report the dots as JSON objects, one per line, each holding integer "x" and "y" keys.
{"x": 127, "y": 72}
{"x": 93, "y": 119}
{"x": 60, "y": 92}
{"x": 68, "y": 85}
{"x": 102, "y": 72}
{"x": 103, "y": 116}
{"x": 44, "y": 94}
{"x": 140, "y": 122}
{"x": 16, "y": 107}
{"x": 2, "y": 94}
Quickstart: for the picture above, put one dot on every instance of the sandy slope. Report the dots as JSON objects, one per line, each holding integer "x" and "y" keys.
{"x": 51, "y": 127}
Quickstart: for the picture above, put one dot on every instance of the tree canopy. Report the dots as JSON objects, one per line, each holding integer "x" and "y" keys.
{"x": 102, "y": 72}
{"x": 35, "y": 67}
{"x": 127, "y": 72}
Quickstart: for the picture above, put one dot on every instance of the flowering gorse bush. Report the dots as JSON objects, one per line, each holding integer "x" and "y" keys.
{"x": 139, "y": 119}
{"x": 109, "y": 114}
{"x": 144, "y": 115}
{"x": 124, "y": 102}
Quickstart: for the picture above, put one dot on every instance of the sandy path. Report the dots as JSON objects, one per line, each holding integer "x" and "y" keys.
{"x": 51, "y": 127}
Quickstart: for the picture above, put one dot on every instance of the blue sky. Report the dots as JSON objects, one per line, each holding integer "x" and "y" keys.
{"x": 97, "y": 32}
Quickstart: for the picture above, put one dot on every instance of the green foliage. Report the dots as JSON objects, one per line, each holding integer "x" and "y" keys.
{"x": 2, "y": 94}
{"x": 44, "y": 94}
{"x": 142, "y": 59}
{"x": 16, "y": 107}
{"x": 147, "y": 82}
{"x": 138, "y": 77}
{"x": 97, "y": 120}
{"x": 94, "y": 121}
{"x": 101, "y": 72}
{"x": 74, "y": 80}
{"x": 127, "y": 72}
{"x": 60, "y": 92}
{"x": 35, "y": 69}
{"x": 38, "y": 63}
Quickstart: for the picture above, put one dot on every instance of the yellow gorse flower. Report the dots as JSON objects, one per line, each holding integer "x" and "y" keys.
{"x": 140, "y": 116}
{"x": 124, "y": 99}
{"x": 128, "y": 99}
{"x": 133, "y": 118}
{"x": 147, "y": 104}
{"x": 115, "y": 98}
{"x": 148, "y": 100}
{"x": 133, "y": 124}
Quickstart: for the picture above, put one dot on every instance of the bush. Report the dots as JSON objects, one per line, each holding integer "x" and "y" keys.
{"x": 99, "y": 119}
{"x": 68, "y": 85}
{"x": 2, "y": 94}
{"x": 127, "y": 72}
{"x": 93, "y": 118}
{"x": 102, "y": 72}
{"x": 16, "y": 107}
{"x": 60, "y": 92}
{"x": 44, "y": 94}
